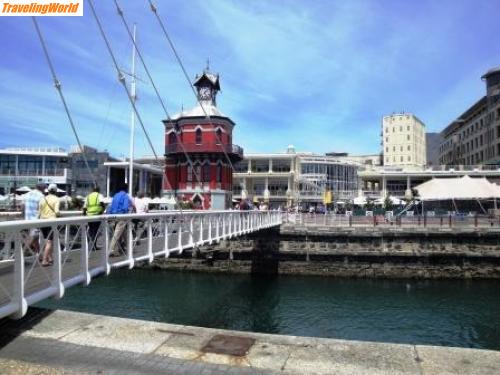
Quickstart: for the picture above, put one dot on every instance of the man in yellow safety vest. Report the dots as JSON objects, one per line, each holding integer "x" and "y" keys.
{"x": 93, "y": 206}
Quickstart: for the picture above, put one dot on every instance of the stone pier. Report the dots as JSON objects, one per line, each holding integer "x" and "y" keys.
{"x": 64, "y": 342}
{"x": 419, "y": 253}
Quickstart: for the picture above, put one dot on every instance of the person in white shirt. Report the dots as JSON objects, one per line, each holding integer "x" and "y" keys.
{"x": 141, "y": 203}
{"x": 141, "y": 207}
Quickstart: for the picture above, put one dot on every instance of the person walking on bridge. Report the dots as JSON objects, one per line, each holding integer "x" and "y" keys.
{"x": 93, "y": 206}
{"x": 120, "y": 205}
{"x": 49, "y": 209}
{"x": 31, "y": 212}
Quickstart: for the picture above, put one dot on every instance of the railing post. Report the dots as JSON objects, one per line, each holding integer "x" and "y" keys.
{"x": 165, "y": 239}
{"x": 18, "y": 295}
{"x": 425, "y": 220}
{"x": 130, "y": 245}
{"x": 441, "y": 221}
{"x": 210, "y": 223}
{"x": 224, "y": 229}
{"x": 150, "y": 240}
{"x": 217, "y": 228}
{"x": 84, "y": 255}
{"x": 475, "y": 220}
{"x": 449, "y": 220}
{"x": 191, "y": 228}
{"x": 179, "y": 234}
{"x": 350, "y": 220}
{"x": 57, "y": 269}
{"x": 200, "y": 240}
{"x": 66, "y": 236}
{"x": 105, "y": 252}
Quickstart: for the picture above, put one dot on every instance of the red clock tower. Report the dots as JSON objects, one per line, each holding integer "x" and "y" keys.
{"x": 208, "y": 182}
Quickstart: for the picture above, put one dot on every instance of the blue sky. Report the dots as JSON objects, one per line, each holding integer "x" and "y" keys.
{"x": 316, "y": 74}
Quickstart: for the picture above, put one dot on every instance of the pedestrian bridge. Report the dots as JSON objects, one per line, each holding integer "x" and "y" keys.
{"x": 77, "y": 257}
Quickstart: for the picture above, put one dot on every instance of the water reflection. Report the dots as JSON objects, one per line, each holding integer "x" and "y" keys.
{"x": 452, "y": 312}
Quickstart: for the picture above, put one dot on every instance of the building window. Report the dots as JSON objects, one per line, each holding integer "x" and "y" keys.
{"x": 408, "y": 137}
{"x": 409, "y": 148}
{"x": 218, "y": 138}
{"x": 171, "y": 138}
{"x": 387, "y": 139}
{"x": 199, "y": 137}
{"x": 206, "y": 172}
{"x": 408, "y": 128}
{"x": 409, "y": 158}
{"x": 197, "y": 174}
{"x": 394, "y": 148}
{"x": 401, "y": 158}
{"x": 219, "y": 173}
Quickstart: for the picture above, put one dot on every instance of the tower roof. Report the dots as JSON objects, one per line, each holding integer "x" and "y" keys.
{"x": 197, "y": 111}
{"x": 211, "y": 77}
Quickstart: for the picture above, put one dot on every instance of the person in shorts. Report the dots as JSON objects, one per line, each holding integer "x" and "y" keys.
{"x": 49, "y": 209}
{"x": 31, "y": 212}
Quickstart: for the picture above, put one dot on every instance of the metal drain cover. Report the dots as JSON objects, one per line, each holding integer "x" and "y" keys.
{"x": 230, "y": 345}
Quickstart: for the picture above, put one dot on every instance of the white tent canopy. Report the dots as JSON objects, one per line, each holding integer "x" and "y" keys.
{"x": 460, "y": 188}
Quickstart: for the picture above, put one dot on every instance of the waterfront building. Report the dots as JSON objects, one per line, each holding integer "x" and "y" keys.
{"x": 290, "y": 178}
{"x": 474, "y": 137}
{"x": 380, "y": 182}
{"x": 82, "y": 181}
{"x": 27, "y": 166}
{"x": 205, "y": 135}
{"x": 432, "y": 143}
{"x": 148, "y": 177}
{"x": 403, "y": 140}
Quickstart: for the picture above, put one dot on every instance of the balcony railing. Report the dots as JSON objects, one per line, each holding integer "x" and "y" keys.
{"x": 176, "y": 148}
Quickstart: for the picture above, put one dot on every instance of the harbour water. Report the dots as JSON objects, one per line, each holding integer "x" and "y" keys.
{"x": 463, "y": 313}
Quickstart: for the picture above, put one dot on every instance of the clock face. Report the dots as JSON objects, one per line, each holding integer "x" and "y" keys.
{"x": 205, "y": 93}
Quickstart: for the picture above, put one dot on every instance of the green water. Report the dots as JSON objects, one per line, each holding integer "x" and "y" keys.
{"x": 450, "y": 312}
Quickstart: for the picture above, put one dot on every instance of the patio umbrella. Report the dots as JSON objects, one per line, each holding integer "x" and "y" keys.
{"x": 23, "y": 189}
{"x": 359, "y": 201}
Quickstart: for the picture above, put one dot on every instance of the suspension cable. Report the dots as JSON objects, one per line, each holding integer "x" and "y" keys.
{"x": 160, "y": 99}
{"x": 186, "y": 75}
{"x": 121, "y": 77}
{"x": 58, "y": 86}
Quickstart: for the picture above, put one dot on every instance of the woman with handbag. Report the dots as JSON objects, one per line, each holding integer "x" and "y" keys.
{"x": 49, "y": 209}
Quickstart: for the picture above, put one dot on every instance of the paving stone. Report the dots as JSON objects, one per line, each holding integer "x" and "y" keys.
{"x": 444, "y": 360}
{"x": 118, "y": 333}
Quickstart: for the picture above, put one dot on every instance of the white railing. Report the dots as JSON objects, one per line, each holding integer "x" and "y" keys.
{"x": 82, "y": 247}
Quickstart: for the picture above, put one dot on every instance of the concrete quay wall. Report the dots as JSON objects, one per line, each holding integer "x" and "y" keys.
{"x": 64, "y": 342}
{"x": 352, "y": 252}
